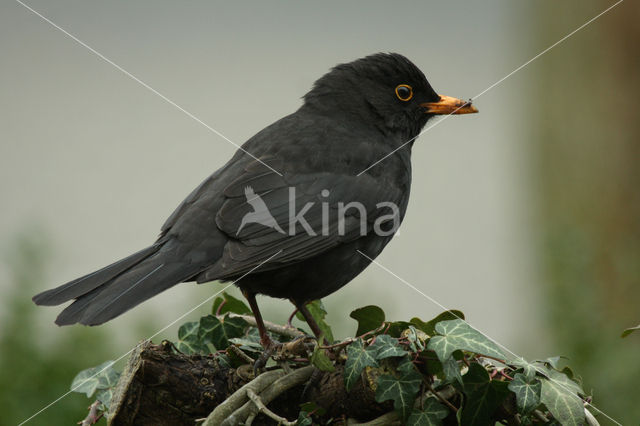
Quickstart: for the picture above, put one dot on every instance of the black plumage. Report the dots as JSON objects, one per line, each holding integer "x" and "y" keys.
{"x": 353, "y": 116}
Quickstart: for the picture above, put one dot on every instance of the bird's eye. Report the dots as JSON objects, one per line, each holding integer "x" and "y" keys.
{"x": 404, "y": 92}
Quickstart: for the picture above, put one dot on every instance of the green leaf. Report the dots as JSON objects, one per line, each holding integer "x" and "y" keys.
{"x": 396, "y": 328}
{"x": 223, "y": 360}
{"x": 483, "y": 396}
{"x": 318, "y": 312}
{"x": 246, "y": 344}
{"x": 357, "y": 359}
{"x": 552, "y": 361}
{"x": 527, "y": 392}
{"x": 402, "y": 388}
{"x": 563, "y": 380}
{"x": 529, "y": 369}
{"x": 96, "y": 378}
{"x": 320, "y": 359}
{"x": 431, "y": 415}
{"x": 417, "y": 338}
{"x": 104, "y": 396}
{"x": 476, "y": 377}
{"x": 457, "y": 334}
{"x": 218, "y": 331}
{"x": 369, "y": 318}
{"x": 386, "y": 347}
{"x": 630, "y": 330}
{"x": 188, "y": 341}
{"x": 304, "y": 419}
{"x": 429, "y": 327}
{"x": 565, "y": 406}
{"x": 312, "y": 407}
{"x": 451, "y": 370}
{"x": 231, "y": 304}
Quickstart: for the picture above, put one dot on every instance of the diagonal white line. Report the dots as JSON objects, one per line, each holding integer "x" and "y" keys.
{"x": 149, "y": 338}
{"x": 408, "y": 284}
{"x": 136, "y": 79}
{"x": 494, "y": 84}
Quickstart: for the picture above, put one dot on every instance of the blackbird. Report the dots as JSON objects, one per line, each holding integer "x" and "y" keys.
{"x": 288, "y": 213}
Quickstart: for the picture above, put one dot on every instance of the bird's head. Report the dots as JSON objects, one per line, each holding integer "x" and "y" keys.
{"x": 383, "y": 90}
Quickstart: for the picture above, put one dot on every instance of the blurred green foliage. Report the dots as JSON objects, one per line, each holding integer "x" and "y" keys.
{"x": 585, "y": 133}
{"x": 34, "y": 373}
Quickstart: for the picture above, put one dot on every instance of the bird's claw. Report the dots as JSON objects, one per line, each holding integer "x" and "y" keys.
{"x": 270, "y": 348}
{"x": 296, "y": 347}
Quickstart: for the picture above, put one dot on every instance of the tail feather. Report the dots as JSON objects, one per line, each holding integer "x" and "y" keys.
{"x": 113, "y": 290}
{"x": 83, "y": 285}
{"x": 74, "y": 311}
{"x": 143, "y": 281}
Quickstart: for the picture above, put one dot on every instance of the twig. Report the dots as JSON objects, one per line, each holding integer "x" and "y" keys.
{"x": 350, "y": 340}
{"x": 94, "y": 415}
{"x": 274, "y": 328}
{"x": 246, "y": 358}
{"x": 442, "y": 398}
{"x": 224, "y": 302}
{"x": 290, "y": 320}
{"x": 389, "y": 419}
{"x": 239, "y": 397}
{"x": 502, "y": 361}
{"x": 263, "y": 409}
{"x": 278, "y": 387}
{"x": 538, "y": 414}
{"x": 345, "y": 342}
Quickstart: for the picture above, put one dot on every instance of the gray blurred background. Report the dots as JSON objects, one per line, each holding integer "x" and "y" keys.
{"x": 525, "y": 216}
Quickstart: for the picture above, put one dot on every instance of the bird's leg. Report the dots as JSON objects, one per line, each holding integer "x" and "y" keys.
{"x": 265, "y": 340}
{"x": 313, "y": 325}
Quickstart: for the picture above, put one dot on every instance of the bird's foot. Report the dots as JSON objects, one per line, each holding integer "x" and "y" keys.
{"x": 298, "y": 347}
{"x": 270, "y": 347}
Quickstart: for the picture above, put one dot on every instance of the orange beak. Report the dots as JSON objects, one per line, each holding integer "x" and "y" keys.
{"x": 449, "y": 105}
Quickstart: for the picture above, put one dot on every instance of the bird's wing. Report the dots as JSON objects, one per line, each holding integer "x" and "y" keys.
{"x": 256, "y": 243}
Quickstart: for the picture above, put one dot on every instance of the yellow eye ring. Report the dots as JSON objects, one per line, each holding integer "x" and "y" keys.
{"x": 404, "y": 92}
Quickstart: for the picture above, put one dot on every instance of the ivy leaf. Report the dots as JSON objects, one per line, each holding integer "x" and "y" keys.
{"x": 429, "y": 327}
{"x": 218, "y": 331}
{"x": 565, "y": 406}
{"x": 630, "y": 330}
{"x": 457, "y": 334}
{"x": 246, "y": 344}
{"x": 320, "y": 359}
{"x": 529, "y": 369}
{"x": 451, "y": 370}
{"x": 417, "y": 338}
{"x": 304, "y": 419}
{"x": 396, "y": 328}
{"x": 223, "y": 360}
{"x": 431, "y": 415}
{"x": 231, "y": 304}
{"x": 476, "y": 377}
{"x": 386, "y": 347}
{"x": 552, "y": 361}
{"x": 318, "y": 312}
{"x": 188, "y": 341}
{"x": 94, "y": 379}
{"x": 104, "y": 396}
{"x": 369, "y": 318}
{"x": 312, "y": 407}
{"x": 483, "y": 396}
{"x": 527, "y": 392}
{"x": 401, "y": 388}
{"x": 563, "y": 380}
{"x": 357, "y": 359}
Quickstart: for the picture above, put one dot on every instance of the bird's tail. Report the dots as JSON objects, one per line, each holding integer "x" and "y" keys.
{"x": 113, "y": 290}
